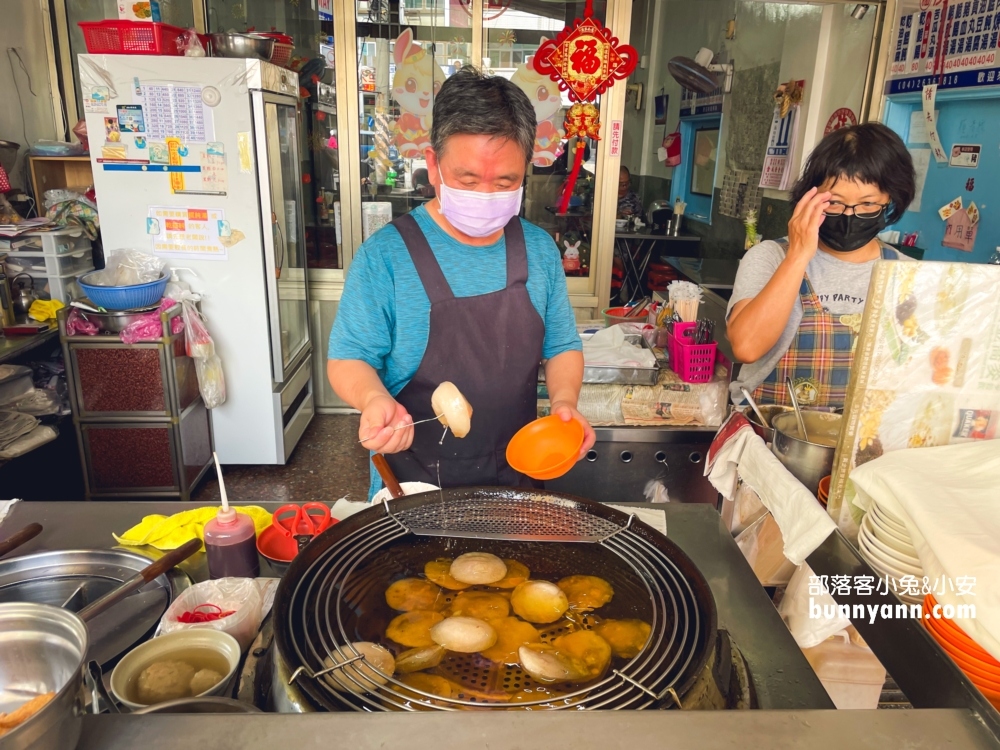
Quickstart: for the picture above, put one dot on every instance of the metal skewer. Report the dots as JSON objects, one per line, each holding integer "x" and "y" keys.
{"x": 404, "y": 426}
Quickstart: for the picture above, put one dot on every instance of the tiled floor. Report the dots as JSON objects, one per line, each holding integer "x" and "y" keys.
{"x": 327, "y": 464}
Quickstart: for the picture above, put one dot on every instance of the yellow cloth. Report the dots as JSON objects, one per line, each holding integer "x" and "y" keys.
{"x": 44, "y": 309}
{"x": 170, "y": 532}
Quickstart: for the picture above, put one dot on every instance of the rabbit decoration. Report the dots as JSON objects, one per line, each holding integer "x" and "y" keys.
{"x": 571, "y": 256}
{"x": 543, "y": 93}
{"x": 415, "y": 84}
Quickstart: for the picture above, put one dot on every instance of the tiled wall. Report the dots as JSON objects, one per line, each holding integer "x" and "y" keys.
{"x": 724, "y": 238}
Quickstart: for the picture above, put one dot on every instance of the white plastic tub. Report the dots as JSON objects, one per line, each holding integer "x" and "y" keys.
{"x": 851, "y": 673}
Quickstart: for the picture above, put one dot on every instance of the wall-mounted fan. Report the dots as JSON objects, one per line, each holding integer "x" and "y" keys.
{"x": 700, "y": 74}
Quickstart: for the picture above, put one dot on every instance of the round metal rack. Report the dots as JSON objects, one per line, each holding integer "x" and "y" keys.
{"x": 333, "y": 596}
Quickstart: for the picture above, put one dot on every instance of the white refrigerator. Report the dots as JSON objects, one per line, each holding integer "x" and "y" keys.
{"x": 197, "y": 160}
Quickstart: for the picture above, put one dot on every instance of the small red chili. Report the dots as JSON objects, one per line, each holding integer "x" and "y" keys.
{"x": 214, "y": 612}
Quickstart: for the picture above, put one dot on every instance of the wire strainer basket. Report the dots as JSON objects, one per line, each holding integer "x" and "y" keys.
{"x": 333, "y": 595}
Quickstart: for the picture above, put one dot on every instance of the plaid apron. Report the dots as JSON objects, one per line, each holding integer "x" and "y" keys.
{"x": 820, "y": 356}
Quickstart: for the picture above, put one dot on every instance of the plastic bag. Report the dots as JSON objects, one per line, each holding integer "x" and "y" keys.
{"x": 803, "y": 611}
{"x": 241, "y": 596}
{"x": 128, "y": 268}
{"x": 609, "y": 348}
{"x": 207, "y": 364}
{"x": 78, "y": 325}
{"x": 189, "y": 45}
{"x": 80, "y": 131}
{"x": 149, "y": 327}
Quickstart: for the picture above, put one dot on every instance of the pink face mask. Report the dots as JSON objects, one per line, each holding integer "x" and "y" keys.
{"x": 478, "y": 214}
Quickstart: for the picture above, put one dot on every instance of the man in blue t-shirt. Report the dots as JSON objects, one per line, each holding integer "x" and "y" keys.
{"x": 461, "y": 290}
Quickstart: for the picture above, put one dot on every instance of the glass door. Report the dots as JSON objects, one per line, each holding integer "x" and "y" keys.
{"x": 512, "y": 32}
{"x": 404, "y": 54}
{"x": 285, "y": 264}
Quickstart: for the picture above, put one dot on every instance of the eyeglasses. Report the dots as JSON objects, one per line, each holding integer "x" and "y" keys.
{"x": 861, "y": 210}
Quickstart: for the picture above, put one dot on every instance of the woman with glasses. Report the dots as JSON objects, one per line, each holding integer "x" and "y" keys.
{"x": 796, "y": 306}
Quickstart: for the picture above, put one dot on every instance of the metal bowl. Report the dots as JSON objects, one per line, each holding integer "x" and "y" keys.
{"x": 42, "y": 649}
{"x": 115, "y": 321}
{"x": 770, "y": 411}
{"x": 207, "y": 705}
{"x": 241, "y": 45}
{"x": 807, "y": 461}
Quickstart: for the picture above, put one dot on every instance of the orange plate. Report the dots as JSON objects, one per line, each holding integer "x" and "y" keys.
{"x": 950, "y": 631}
{"x": 546, "y": 448}
{"x": 975, "y": 671}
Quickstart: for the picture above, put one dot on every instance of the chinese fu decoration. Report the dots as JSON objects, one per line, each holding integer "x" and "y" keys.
{"x": 584, "y": 60}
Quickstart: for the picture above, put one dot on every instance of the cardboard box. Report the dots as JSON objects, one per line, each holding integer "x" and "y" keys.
{"x": 139, "y": 10}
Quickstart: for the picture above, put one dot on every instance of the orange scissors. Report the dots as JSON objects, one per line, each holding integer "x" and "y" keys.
{"x": 302, "y": 522}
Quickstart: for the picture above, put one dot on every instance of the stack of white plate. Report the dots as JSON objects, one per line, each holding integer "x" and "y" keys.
{"x": 885, "y": 543}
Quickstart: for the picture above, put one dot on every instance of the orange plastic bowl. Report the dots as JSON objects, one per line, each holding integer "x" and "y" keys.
{"x": 824, "y": 488}
{"x": 546, "y": 448}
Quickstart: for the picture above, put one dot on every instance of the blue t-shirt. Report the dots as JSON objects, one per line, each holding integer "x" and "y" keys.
{"x": 384, "y": 314}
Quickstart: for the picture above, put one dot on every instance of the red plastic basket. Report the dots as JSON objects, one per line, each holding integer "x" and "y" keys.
{"x": 130, "y": 38}
{"x": 282, "y": 54}
{"x": 695, "y": 363}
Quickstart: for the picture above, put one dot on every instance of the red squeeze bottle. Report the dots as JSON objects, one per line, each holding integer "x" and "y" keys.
{"x": 231, "y": 541}
{"x": 231, "y": 545}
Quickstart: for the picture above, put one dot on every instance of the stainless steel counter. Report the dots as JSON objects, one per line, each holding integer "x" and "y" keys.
{"x": 517, "y": 730}
{"x": 12, "y": 347}
{"x": 782, "y": 678}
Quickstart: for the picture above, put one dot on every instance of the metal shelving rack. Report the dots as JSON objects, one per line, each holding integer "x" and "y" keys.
{"x": 142, "y": 427}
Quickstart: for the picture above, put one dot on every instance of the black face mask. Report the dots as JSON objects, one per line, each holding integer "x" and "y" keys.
{"x": 845, "y": 233}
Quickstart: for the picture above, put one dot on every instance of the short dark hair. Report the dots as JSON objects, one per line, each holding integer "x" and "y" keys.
{"x": 624, "y": 169}
{"x": 419, "y": 177}
{"x": 870, "y": 153}
{"x": 475, "y": 104}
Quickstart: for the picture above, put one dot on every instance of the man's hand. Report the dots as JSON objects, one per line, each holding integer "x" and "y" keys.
{"x": 566, "y": 411}
{"x": 379, "y": 418}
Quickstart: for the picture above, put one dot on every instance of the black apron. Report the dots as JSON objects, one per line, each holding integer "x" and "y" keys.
{"x": 490, "y": 347}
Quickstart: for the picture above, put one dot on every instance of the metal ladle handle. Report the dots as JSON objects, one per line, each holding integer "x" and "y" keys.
{"x": 798, "y": 411}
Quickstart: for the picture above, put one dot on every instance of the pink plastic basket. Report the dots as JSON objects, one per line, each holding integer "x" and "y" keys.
{"x": 695, "y": 363}
{"x": 130, "y": 37}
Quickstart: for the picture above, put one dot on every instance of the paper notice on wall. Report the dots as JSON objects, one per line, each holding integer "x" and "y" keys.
{"x": 291, "y": 222}
{"x": 214, "y": 178}
{"x": 918, "y": 130}
{"x": 244, "y": 147}
{"x": 948, "y": 210}
{"x": 921, "y": 164}
{"x": 960, "y": 232}
{"x": 966, "y": 155}
{"x": 178, "y": 111}
{"x": 188, "y": 232}
{"x": 95, "y": 100}
{"x": 374, "y": 216}
{"x": 780, "y": 147}
{"x": 175, "y": 158}
{"x": 930, "y": 122}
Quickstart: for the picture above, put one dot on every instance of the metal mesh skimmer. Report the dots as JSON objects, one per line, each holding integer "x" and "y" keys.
{"x": 333, "y": 595}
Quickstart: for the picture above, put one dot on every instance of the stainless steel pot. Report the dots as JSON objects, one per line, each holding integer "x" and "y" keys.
{"x": 769, "y": 411}
{"x": 42, "y": 649}
{"x": 808, "y": 461}
{"x": 241, "y": 45}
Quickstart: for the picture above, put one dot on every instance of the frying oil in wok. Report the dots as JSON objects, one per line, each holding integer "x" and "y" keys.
{"x": 473, "y": 677}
